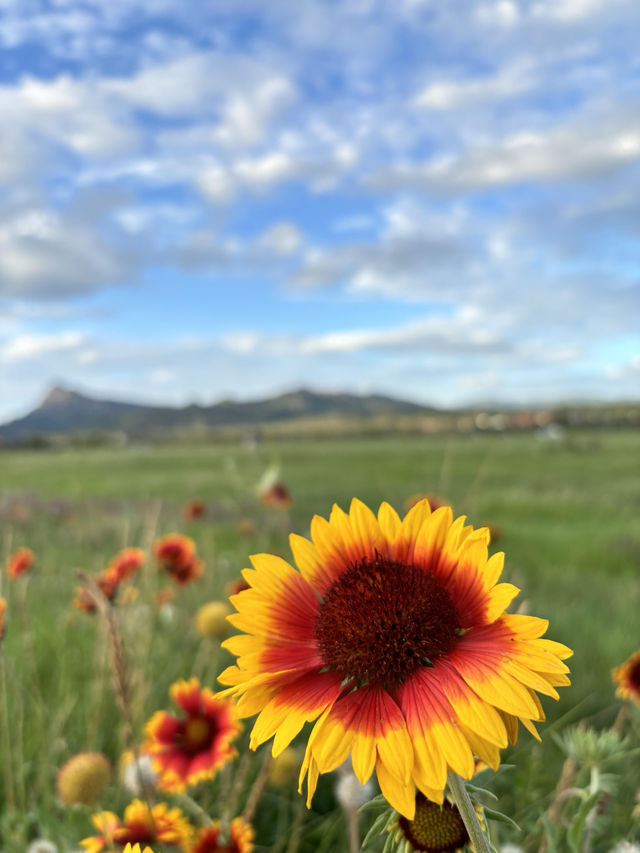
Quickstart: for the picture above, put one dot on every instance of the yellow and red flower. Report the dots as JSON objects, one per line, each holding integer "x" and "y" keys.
{"x": 127, "y": 563}
{"x": 189, "y": 748}
{"x": 135, "y": 848}
{"x": 240, "y": 840}
{"x": 435, "y": 502}
{"x": 194, "y": 510}
{"x": 107, "y": 582}
{"x": 140, "y": 825}
{"x": 627, "y": 677}
{"x": 20, "y": 562}
{"x": 435, "y": 828}
{"x": 393, "y": 635}
{"x": 276, "y": 494}
{"x": 176, "y": 554}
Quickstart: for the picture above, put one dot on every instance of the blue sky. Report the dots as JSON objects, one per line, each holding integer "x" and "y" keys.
{"x": 434, "y": 200}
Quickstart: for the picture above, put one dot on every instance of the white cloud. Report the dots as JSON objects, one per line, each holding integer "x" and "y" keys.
{"x": 31, "y": 346}
{"x": 283, "y": 238}
{"x": 507, "y": 82}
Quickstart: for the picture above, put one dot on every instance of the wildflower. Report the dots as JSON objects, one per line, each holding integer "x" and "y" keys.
{"x": 350, "y": 793}
{"x": 627, "y": 677}
{"x": 164, "y": 596}
{"x": 127, "y": 562}
{"x": 83, "y": 778}
{"x": 211, "y": 619}
{"x": 140, "y": 825}
{"x": 435, "y": 828}
{"x": 393, "y": 635}
{"x": 135, "y": 848}
{"x": 137, "y": 777}
{"x": 20, "y": 562}
{"x": 234, "y": 587}
{"x": 241, "y": 836}
{"x": 107, "y": 582}
{"x": 194, "y": 510}
{"x": 3, "y": 610}
{"x": 42, "y": 845}
{"x": 176, "y": 554}
{"x": 276, "y": 494}
{"x": 187, "y": 749}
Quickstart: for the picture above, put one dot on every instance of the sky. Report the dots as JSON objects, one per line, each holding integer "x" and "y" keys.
{"x": 438, "y": 201}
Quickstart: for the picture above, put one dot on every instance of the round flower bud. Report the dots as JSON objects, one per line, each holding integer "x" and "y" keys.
{"x": 211, "y": 619}
{"x": 83, "y": 777}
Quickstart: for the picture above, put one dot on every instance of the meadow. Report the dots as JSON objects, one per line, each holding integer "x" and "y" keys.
{"x": 565, "y": 511}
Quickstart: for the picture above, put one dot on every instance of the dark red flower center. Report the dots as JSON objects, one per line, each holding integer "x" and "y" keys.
{"x": 435, "y": 828}
{"x": 634, "y": 676}
{"x": 196, "y": 735}
{"x": 381, "y": 620}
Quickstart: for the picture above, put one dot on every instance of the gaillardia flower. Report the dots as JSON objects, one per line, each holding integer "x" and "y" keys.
{"x": 393, "y": 636}
{"x": 209, "y": 839}
{"x": 194, "y": 510}
{"x": 277, "y": 494}
{"x": 185, "y": 750}
{"x": 107, "y": 582}
{"x": 141, "y": 825}
{"x": 20, "y": 562}
{"x": 627, "y": 677}
{"x": 127, "y": 563}
{"x": 176, "y": 554}
{"x": 135, "y": 848}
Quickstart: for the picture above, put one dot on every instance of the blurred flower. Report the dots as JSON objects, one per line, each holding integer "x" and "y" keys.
{"x": 234, "y": 587}
{"x": 211, "y": 619}
{"x": 3, "y": 610}
{"x": 627, "y": 677}
{"x": 350, "y": 793}
{"x": 83, "y": 778}
{"x": 434, "y": 501}
{"x": 127, "y": 562}
{"x": 176, "y": 554}
{"x": 135, "y": 848}
{"x": 107, "y": 582}
{"x": 20, "y": 562}
{"x": 137, "y": 777}
{"x": 19, "y": 512}
{"x": 435, "y": 828}
{"x": 511, "y": 848}
{"x": 41, "y": 845}
{"x": 626, "y": 847}
{"x": 241, "y": 835}
{"x": 129, "y": 595}
{"x": 393, "y": 635}
{"x": 190, "y": 748}
{"x": 164, "y": 596}
{"x": 284, "y": 768}
{"x": 246, "y": 527}
{"x": 140, "y": 825}
{"x": 276, "y": 494}
{"x": 194, "y": 510}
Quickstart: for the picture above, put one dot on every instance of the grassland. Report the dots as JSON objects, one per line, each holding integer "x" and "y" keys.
{"x": 568, "y": 517}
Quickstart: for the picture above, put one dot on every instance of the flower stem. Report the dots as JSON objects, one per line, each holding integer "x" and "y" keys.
{"x": 468, "y": 814}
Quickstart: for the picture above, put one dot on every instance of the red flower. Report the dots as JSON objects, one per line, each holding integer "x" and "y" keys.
{"x": 176, "y": 554}
{"x": 189, "y": 748}
{"x": 240, "y": 838}
{"x": 107, "y": 582}
{"x": 127, "y": 562}
{"x": 20, "y": 562}
{"x": 194, "y": 510}
{"x": 276, "y": 495}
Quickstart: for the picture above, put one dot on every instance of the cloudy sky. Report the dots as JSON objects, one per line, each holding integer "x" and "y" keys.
{"x": 435, "y": 200}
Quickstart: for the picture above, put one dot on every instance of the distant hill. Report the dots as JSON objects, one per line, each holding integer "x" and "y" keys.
{"x": 66, "y": 412}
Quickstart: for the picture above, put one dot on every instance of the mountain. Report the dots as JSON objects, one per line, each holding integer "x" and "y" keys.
{"x": 64, "y": 411}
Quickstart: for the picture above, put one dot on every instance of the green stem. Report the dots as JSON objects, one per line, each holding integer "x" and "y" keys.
{"x": 468, "y": 814}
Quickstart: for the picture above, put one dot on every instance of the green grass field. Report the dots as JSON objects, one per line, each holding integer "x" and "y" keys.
{"x": 568, "y": 513}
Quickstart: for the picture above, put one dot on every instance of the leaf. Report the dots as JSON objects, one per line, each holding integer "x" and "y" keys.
{"x": 492, "y": 814}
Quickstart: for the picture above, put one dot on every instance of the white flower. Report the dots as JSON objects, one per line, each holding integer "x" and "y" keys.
{"x": 41, "y": 845}
{"x": 626, "y": 847}
{"x": 132, "y": 777}
{"x": 511, "y": 848}
{"x": 350, "y": 793}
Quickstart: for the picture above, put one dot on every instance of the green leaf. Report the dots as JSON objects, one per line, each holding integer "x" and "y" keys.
{"x": 492, "y": 814}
